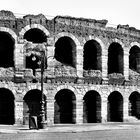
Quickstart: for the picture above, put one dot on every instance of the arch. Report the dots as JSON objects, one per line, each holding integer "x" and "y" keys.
{"x": 92, "y": 55}
{"x": 115, "y": 107}
{"x": 134, "y": 44}
{"x": 92, "y": 107}
{"x": 9, "y": 31}
{"x": 65, "y": 51}
{"x": 103, "y": 47}
{"x": 115, "y": 58}
{"x": 134, "y": 58}
{"x": 7, "y": 46}
{"x": 38, "y": 26}
{"x": 65, "y": 107}
{"x": 115, "y": 40}
{"x": 35, "y": 34}
{"x": 31, "y": 105}
{"x": 134, "y": 104}
{"x": 71, "y": 88}
{"x": 7, "y": 113}
{"x": 63, "y": 34}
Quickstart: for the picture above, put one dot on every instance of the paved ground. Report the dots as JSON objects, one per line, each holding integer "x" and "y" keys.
{"x": 70, "y": 128}
{"x": 108, "y": 131}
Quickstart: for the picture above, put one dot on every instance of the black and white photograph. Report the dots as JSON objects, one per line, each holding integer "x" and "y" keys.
{"x": 69, "y": 70}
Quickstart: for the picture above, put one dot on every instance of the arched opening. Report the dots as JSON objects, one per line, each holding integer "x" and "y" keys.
{"x": 92, "y": 107}
{"x": 65, "y": 107}
{"x": 65, "y": 51}
{"x": 35, "y": 36}
{"x": 134, "y": 105}
{"x": 134, "y": 59}
{"x": 32, "y": 105}
{"x": 115, "y": 107}
{"x": 7, "y": 113}
{"x": 92, "y": 55}
{"x": 115, "y": 58}
{"x": 6, "y": 50}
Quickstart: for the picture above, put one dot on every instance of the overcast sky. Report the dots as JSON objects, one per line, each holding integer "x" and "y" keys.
{"x": 115, "y": 11}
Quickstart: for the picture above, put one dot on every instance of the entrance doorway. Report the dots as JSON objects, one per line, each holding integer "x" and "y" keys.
{"x": 7, "y": 115}
{"x": 32, "y": 105}
{"x": 65, "y": 107}
{"x": 115, "y": 107}
{"x": 134, "y": 105}
{"x": 92, "y": 107}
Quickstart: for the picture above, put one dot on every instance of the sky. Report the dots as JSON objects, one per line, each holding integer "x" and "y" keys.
{"x": 115, "y": 11}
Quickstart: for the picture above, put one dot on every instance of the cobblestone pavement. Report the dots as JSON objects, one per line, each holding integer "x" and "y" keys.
{"x": 109, "y": 131}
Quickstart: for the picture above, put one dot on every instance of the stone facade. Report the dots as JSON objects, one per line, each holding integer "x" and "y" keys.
{"x": 93, "y": 68}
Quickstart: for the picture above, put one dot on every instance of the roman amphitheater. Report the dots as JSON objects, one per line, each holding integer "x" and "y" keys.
{"x": 92, "y": 70}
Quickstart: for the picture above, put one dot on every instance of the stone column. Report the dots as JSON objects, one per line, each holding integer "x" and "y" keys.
{"x": 19, "y": 56}
{"x": 126, "y": 65}
{"x": 79, "y": 111}
{"x": 104, "y": 65}
{"x": 79, "y": 65}
{"x": 50, "y": 55}
{"x": 50, "y": 111}
{"x": 18, "y": 112}
{"x": 104, "y": 109}
{"x": 125, "y": 109}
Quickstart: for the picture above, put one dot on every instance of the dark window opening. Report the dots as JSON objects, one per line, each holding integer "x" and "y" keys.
{"x": 134, "y": 59}
{"x": 6, "y": 50}
{"x": 92, "y": 107}
{"x": 65, "y": 51}
{"x": 92, "y": 55}
{"x": 115, "y": 58}
{"x": 35, "y": 36}
{"x": 134, "y": 105}
{"x": 65, "y": 107}
{"x": 7, "y": 106}
{"x": 115, "y": 107}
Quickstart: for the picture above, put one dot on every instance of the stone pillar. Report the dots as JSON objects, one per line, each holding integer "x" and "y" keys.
{"x": 50, "y": 111}
{"x": 18, "y": 112}
{"x": 50, "y": 55}
{"x": 104, "y": 109}
{"x": 104, "y": 65}
{"x": 126, "y": 65}
{"x": 125, "y": 109}
{"x": 79, "y": 65}
{"x": 79, "y": 111}
{"x": 50, "y": 61}
{"x": 19, "y": 56}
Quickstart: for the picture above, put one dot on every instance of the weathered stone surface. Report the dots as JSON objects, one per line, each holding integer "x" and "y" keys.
{"x": 58, "y": 76}
{"x": 6, "y": 15}
{"x": 6, "y": 74}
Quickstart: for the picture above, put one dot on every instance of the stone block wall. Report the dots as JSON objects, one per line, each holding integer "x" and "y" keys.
{"x": 60, "y": 76}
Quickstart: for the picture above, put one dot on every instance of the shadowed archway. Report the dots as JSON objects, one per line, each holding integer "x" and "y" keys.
{"x": 65, "y": 107}
{"x": 7, "y": 107}
{"x": 6, "y": 50}
{"x": 115, "y": 107}
{"x": 115, "y": 58}
{"x": 92, "y": 56}
{"x": 35, "y": 36}
{"x": 134, "y": 105}
{"x": 65, "y": 51}
{"x": 134, "y": 59}
{"x": 32, "y": 105}
{"x": 92, "y": 107}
